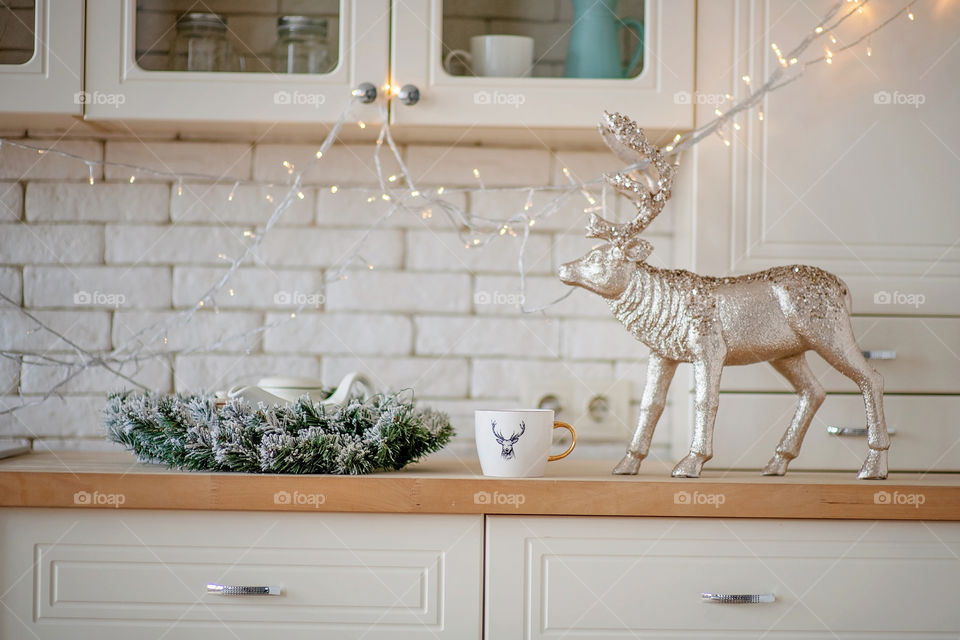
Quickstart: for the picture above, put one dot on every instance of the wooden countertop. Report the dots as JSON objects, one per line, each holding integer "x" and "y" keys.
{"x": 573, "y": 487}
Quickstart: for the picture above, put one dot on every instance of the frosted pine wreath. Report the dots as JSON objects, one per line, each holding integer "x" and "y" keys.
{"x": 190, "y": 432}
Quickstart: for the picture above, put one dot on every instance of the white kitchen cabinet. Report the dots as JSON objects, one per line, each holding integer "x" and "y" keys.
{"x": 550, "y": 577}
{"x": 123, "y": 90}
{"x": 839, "y": 173}
{"x": 660, "y": 96}
{"x": 51, "y": 80}
{"x": 102, "y": 574}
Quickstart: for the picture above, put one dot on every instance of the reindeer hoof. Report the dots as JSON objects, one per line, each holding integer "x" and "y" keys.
{"x": 875, "y": 466}
{"x": 629, "y": 465}
{"x": 777, "y": 465}
{"x": 690, "y": 466}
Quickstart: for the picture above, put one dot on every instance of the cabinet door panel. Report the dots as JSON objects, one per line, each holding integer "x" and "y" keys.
{"x": 846, "y": 171}
{"x": 660, "y": 97}
{"x": 103, "y": 574}
{"x": 635, "y": 577}
{"x": 51, "y": 81}
{"x": 132, "y": 93}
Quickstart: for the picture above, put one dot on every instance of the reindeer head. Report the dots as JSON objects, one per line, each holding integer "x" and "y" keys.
{"x": 608, "y": 268}
{"x": 506, "y": 444}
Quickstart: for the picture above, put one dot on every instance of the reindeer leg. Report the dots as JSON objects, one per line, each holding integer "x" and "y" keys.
{"x": 659, "y": 374}
{"x": 795, "y": 369}
{"x": 706, "y": 373}
{"x": 845, "y": 356}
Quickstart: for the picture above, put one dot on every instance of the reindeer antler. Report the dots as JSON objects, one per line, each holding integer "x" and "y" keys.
{"x": 629, "y": 143}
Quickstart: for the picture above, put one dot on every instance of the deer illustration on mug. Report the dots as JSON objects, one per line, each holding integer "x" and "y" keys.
{"x": 506, "y": 444}
{"x": 773, "y": 316}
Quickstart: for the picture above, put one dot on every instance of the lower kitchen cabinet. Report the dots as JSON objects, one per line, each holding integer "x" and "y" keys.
{"x": 104, "y": 574}
{"x": 576, "y": 577}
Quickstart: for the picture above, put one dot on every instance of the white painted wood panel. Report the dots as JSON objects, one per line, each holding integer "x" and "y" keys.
{"x": 416, "y": 52}
{"x": 927, "y": 359}
{"x": 551, "y": 577}
{"x": 51, "y": 81}
{"x": 749, "y": 426}
{"x": 834, "y": 175}
{"x": 232, "y": 97}
{"x": 102, "y": 574}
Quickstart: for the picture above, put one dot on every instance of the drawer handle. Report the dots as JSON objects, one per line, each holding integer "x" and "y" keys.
{"x": 739, "y": 598}
{"x": 879, "y": 354}
{"x": 242, "y": 590}
{"x": 854, "y": 432}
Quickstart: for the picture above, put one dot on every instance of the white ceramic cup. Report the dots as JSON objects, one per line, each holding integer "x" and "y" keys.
{"x": 516, "y": 443}
{"x": 497, "y": 56}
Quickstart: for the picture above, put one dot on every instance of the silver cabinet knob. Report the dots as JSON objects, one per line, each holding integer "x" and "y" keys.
{"x": 409, "y": 95}
{"x": 739, "y": 598}
{"x": 366, "y": 92}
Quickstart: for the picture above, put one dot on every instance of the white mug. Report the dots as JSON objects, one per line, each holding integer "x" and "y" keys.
{"x": 516, "y": 443}
{"x": 497, "y": 56}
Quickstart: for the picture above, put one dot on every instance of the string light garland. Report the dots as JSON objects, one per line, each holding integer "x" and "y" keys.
{"x": 401, "y": 193}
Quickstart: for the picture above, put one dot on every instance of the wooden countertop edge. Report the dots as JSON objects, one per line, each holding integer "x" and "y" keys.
{"x": 479, "y": 495}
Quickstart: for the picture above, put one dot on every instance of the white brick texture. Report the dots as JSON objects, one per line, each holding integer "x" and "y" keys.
{"x": 249, "y": 204}
{"x": 219, "y": 160}
{"x": 11, "y": 284}
{"x": 490, "y": 377}
{"x": 324, "y": 247}
{"x": 101, "y": 202}
{"x": 483, "y": 336}
{"x": 445, "y": 250}
{"x": 340, "y": 333}
{"x": 400, "y": 291}
{"x": 428, "y": 377}
{"x": 343, "y": 163}
{"x": 164, "y": 244}
{"x": 154, "y": 373}
{"x": 218, "y": 372}
{"x": 203, "y": 330}
{"x": 599, "y": 340}
{"x": 251, "y": 287}
{"x": 445, "y": 165}
{"x": 97, "y": 287}
{"x": 352, "y": 207}
{"x": 70, "y": 416}
{"x": 11, "y": 201}
{"x": 26, "y": 164}
{"x": 48, "y": 243}
{"x": 88, "y": 328}
{"x": 499, "y": 295}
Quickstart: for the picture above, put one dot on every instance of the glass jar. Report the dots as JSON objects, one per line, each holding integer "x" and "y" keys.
{"x": 201, "y": 44}
{"x": 301, "y": 45}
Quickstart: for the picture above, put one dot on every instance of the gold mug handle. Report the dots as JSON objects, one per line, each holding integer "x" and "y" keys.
{"x": 573, "y": 435}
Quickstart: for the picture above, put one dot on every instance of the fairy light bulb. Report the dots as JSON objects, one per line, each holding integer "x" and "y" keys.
{"x": 90, "y": 172}
{"x": 426, "y": 214}
{"x": 301, "y": 195}
{"x": 269, "y": 197}
{"x": 180, "y": 187}
{"x": 746, "y": 80}
{"x": 334, "y": 188}
{"x": 371, "y": 199}
{"x": 476, "y": 173}
{"x": 361, "y": 124}
{"x": 440, "y": 191}
{"x": 318, "y": 154}
{"x": 818, "y": 30}
{"x": 385, "y": 196}
{"x": 910, "y": 15}
{"x": 718, "y": 113}
{"x": 392, "y": 178}
{"x": 132, "y": 178}
{"x": 414, "y": 193}
{"x": 532, "y": 222}
{"x": 231, "y": 292}
{"x": 760, "y": 115}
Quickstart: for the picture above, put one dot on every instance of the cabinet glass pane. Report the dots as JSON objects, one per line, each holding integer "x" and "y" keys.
{"x": 17, "y": 18}
{"x": 572, "y": 38}
{"x": 278, "y": 36}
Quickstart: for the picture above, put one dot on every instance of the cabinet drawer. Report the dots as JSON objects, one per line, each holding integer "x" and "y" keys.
{"x": 926, "y": 359}
{"x": 749, "y": 426}
{"x": 102, "y": 574}
{"x": 573, "y": 577}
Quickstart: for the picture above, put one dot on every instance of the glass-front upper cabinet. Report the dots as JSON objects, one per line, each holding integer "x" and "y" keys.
{"x": 543, "y": 63}
{"x": 229, "y": 61}
{"x": 41, "y": 57}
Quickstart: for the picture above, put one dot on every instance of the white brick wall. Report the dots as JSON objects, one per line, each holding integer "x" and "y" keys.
{"x": 431, "y": 315}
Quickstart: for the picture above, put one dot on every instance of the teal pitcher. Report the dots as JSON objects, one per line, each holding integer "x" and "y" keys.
{"x": 594, "y": 50}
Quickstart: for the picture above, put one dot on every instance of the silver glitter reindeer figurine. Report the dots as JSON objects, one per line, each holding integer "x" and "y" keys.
{"x": 773, "y": 316}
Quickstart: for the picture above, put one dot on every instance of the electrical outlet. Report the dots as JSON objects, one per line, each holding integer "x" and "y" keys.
{"x": 599, "y": 409}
